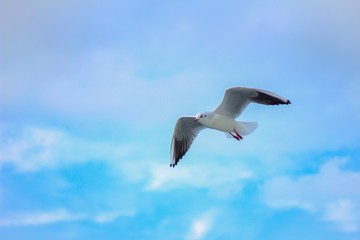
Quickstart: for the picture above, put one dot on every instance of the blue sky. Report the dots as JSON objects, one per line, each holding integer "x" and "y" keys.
{"x": 90, "y": 92}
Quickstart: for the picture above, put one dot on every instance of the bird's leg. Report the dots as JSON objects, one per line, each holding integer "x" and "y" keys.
{"x": 236, "y": 137}
{"x": 237, "y": 134}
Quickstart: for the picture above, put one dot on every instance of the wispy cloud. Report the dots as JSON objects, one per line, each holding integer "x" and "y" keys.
{"x": 201, "y": 226}
{"x": 345, "y": 213}
{"x": 331, "y": 193}
{"x": 110, "y": 216}
{"x": 60, "y": 215}
{"x": 37, "y": 148}
{"x": 163, "y": 178}
{"x": 218, "y": 177}
{"x": 39, "y": 218}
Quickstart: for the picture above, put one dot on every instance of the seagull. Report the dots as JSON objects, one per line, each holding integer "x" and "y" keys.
{"x": 222, "y": 118}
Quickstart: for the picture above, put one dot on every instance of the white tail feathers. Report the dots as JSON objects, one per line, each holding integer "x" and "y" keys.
{"x": 245, "y": 128}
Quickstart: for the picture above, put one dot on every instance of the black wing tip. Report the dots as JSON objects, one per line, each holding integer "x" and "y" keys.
{"x": 173, "y": 164}
{"x": 287, "y": 102}
{"x": 270, "y": 99}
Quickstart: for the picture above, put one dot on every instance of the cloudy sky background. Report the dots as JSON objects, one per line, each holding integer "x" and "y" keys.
{"x": 90, "y": 92}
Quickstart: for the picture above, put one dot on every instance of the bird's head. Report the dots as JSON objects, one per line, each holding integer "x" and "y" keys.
{"x": 201, "y": 116}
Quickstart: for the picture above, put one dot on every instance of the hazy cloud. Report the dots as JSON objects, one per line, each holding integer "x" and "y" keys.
{"x": 201, "y": 226}
{"x": 39, "y": 218}
{"x": 345, "y": 213}
{"x": 36, "y": 148}
{"x": 61, "y": 215}
{"x": 331, "y": 192}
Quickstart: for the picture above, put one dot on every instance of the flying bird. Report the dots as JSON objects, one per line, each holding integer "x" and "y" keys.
{"x": 222, "y": 118}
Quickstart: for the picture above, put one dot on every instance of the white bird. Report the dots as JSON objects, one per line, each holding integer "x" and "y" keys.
{"x": 222, "y": 118}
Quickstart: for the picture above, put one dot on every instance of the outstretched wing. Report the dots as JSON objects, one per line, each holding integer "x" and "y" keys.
{"x": 236, "y": 100}
{"x": 184, "y": 134}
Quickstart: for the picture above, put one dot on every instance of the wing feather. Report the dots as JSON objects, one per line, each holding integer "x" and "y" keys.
{"x": 236, "y": 100}
{"x": 185, "y": 132}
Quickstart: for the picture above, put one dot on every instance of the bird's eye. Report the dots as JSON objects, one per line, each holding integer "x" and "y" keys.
{"x": 201, "y": 116}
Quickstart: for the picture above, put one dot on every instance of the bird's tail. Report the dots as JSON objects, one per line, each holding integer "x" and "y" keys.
{"x": 244, "y": 128}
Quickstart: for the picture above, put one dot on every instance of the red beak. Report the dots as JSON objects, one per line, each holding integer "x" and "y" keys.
{"x": 196, "y": 119}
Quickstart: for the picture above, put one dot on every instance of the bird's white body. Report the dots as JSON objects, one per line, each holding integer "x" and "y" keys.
{"x": 218, "y": 122}
{"x": 226, "y": 124}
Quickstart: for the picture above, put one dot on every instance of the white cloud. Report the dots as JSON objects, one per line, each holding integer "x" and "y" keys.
{"x": 213, "y": 175}
{"x": 201, "y": 226}
{"x": 331, "y": 192}
{"x": 60, "y": 215}
{"x": 345, "y": 213}
{"x": 38, "y": 148}
{"x": 34, "y": 149}
{"x": 110, "y": 216}
{"x": 221, "y": 179}
{"x": 39, "y": 218}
